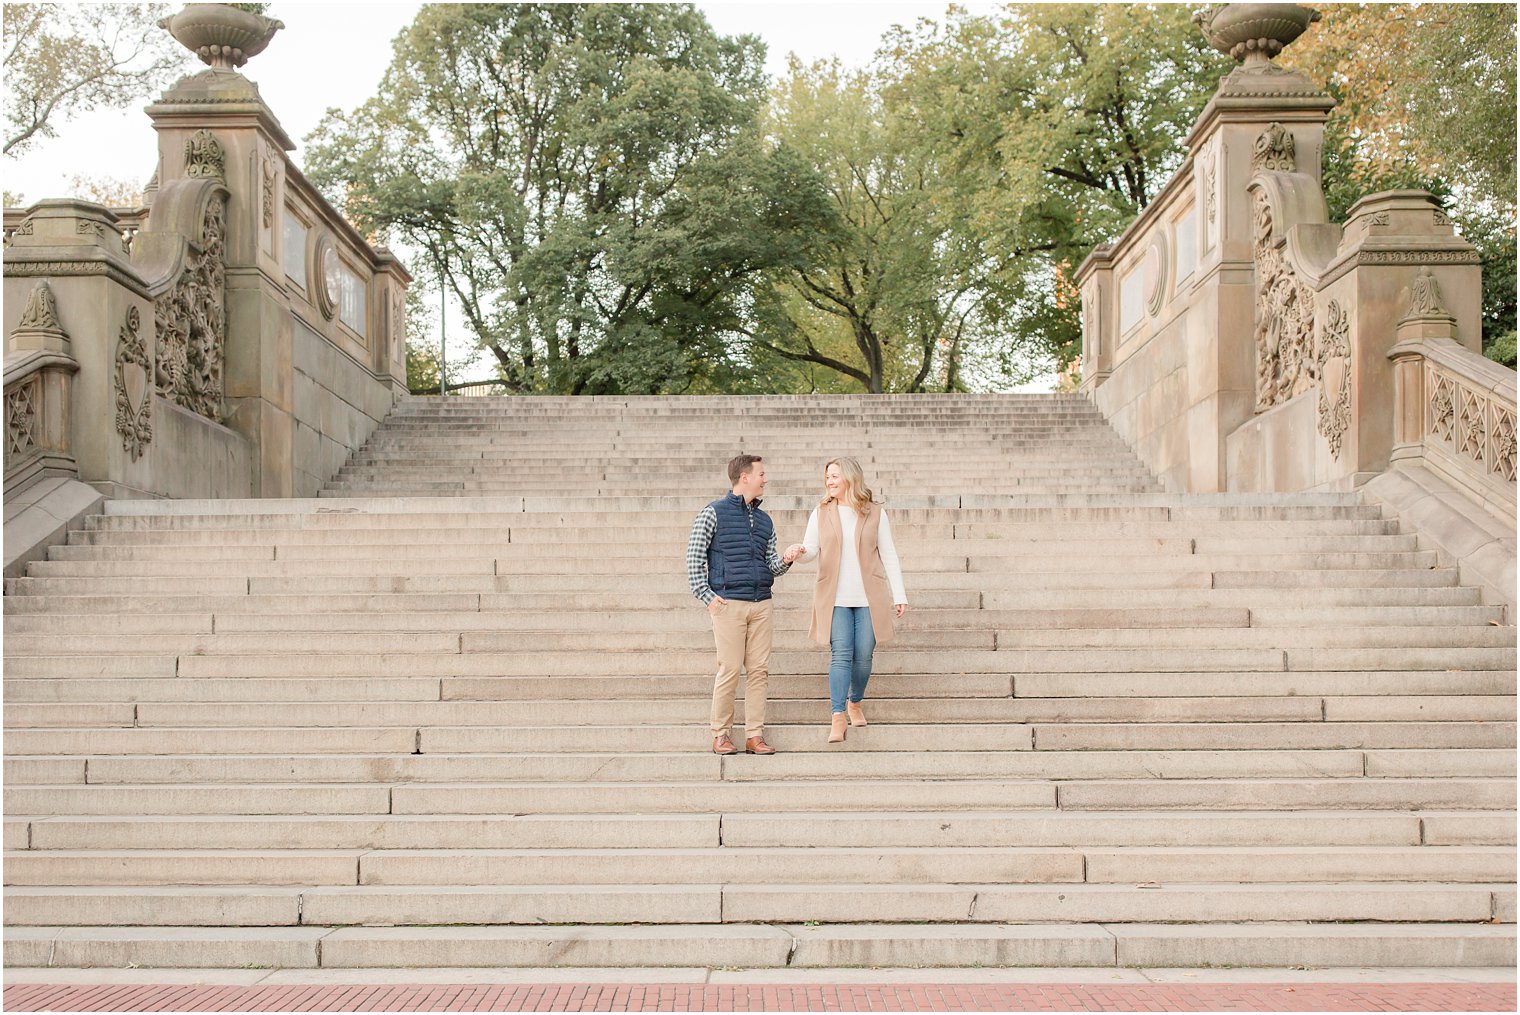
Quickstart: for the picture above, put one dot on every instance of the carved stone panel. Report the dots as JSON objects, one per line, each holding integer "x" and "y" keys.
{"x": 1284, "y": 319}
{"x": 204, "y": 157}
{"x": 191, "y": 320}
{"x": 21, "y": 419}
{"x": 1273, "y": 151}
{"x": 1333, "y": 367}
{"x": 41, "y": 310}
{"x": 134, "y": 388}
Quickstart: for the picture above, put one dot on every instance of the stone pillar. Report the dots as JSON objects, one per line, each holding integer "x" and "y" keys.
{"x": 1261, "y": 115}
{"x": 1095, "y": 281}
{"x": 102, "y": 313}
{"x": 257, "y": 380}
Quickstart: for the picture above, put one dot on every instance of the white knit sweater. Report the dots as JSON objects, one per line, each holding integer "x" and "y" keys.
{"x": 852, "y": 586}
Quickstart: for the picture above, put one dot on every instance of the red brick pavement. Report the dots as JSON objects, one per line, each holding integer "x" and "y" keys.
{"x": 732, "y": 998}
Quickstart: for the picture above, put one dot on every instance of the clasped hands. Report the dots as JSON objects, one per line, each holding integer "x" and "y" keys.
{"x": 792, "y": 553}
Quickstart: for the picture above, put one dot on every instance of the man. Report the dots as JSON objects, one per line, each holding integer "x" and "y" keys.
{"x": 731, "y": 561}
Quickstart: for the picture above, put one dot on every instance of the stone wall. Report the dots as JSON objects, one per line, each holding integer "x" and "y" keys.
{"x": 236, "y": 337}
{"x": 1236, "y": 337}
{"x": 212, "y": 349}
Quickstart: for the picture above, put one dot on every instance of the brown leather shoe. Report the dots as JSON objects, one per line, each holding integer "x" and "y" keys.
{"x": 757, "y": 745}
{"x": 724, "y": 744}
{"x": 856, "y": 713}
{"x": 839, "y": 729}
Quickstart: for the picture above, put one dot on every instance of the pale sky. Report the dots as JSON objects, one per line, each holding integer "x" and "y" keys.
{"x": 350, "y": 44}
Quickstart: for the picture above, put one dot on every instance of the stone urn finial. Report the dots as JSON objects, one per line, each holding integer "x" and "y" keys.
{"x": 222, "y": 35}
{"x": 1254, "y": 33}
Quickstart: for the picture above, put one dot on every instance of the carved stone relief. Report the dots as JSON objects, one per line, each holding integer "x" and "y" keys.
{"x": 204, "y": 157}
{"x": 1273, "y": 151}
{"x": 21, "y": 419}
{"x": 41, "y": 310}
{"x": 134, "y": 388}
{"x": 191, "y": 321}
{"x": 1211, "y": 187}
{"x": 1284, "y": 319}
{"x": 1501, "y": 440}
{"x": 1425, "y": 298}
{"x": 270, "y": 171}
{"x": 1333, "y": 368}
{"x": 1470, "y": 424}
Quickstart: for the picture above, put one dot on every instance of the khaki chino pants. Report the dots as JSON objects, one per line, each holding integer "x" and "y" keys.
{"x": 742, "y": 632}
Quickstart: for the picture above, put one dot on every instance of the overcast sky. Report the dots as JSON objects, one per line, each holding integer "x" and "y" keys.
{"x": 333, "y": 54}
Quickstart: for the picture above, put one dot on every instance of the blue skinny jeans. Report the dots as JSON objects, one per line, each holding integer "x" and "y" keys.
{"x": 852, "y": 641}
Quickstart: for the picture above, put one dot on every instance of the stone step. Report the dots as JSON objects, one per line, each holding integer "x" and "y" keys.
{"x": 1441, "y": 692}
{"x": 773, "y": 946}
{"x": 788, "y": 613}
{"x": 678, "y": 638}
{"x": 810, "y": 738}
{"x": 430, "y": 768}
{"x": 729, "y": 864}
{"x": 999, "y": 560}
{"x": 674, "y": 544}
{"x": 257, "y": 612}
{"x": 885, "y": 713}
{"x": 775, "y": 829}
{"x": 759, "y": 796}
{"x": 495, "y": 905}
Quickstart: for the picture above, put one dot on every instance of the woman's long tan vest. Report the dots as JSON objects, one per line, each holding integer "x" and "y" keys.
{"x": 872, "y": 571}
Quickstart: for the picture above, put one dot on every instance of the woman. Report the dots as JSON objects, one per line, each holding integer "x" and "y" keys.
{"x": 859, "y": 584}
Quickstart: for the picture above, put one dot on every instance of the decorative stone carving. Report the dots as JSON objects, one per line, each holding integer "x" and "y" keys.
{"x": 1284, "y": 319}
{"x": 1333, "y": 367}
{"x": 1471, "y": 428}
{"x": 133, "y": 411}
{"x": 204, "y": 157}
{"x": 191, "y": 321}
{"x": 41, "y": 310}
{"x": 270, "y": 172}
{"x": 1273, "y": 151}
{"x": 220, "y": 34}
{"x": 1442, "y": 408}
{"x": 1501, "y": 444}
{"x": 1419, "y": 257}
{"x": 1382, "y": 218}
{"x": 1470, "y": 424}
{"x": 1211, "y": 187}
{"x": 1425, "y": 299}
{"x": 1253, "y": 33}
{"x": 1440, "y": 218}
{"x": 21, "y": 419}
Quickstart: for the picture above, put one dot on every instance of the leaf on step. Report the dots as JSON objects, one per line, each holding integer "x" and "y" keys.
{"x": 1149, "y": 884}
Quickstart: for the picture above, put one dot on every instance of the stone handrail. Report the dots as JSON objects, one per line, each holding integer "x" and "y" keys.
{"x": 37, "y": 440}
{"x": 1455, "y": 415}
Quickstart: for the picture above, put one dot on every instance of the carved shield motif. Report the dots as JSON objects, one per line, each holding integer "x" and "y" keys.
{"x": 134, "y": 387}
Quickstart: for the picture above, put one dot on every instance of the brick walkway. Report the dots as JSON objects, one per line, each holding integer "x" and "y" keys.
{"x": 685, "y": 997}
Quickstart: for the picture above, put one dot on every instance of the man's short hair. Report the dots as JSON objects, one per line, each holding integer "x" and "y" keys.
{"x": 739, "y": 465}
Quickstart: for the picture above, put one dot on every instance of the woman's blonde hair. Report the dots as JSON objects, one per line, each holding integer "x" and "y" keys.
{"x": 856, "y": 495}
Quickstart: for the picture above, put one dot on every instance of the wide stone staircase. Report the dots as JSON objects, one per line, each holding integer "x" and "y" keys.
{"x": 453, "y": 713}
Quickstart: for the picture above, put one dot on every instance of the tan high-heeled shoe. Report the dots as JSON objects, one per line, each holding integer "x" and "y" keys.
{"x": 856, "y": 713}
{"x": 838, "y": 730}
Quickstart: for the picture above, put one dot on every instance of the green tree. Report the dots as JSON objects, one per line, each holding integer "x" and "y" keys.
{"x": 901, "y": 296}
{"x": 1426, "y": 99}
{"x": 588, "y": 181}
{"x": 65, "y": 59}
{"x": 1051, "y": 126}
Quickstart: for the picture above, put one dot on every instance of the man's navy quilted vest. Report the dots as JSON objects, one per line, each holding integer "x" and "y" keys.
{"x": 736, "y": 564}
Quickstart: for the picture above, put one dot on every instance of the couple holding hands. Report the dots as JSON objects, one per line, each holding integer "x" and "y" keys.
{"x": 731, "y": 561}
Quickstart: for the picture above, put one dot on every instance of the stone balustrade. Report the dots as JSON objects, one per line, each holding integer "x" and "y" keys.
{"x": 1455, "y": 415}
{"x": 234, "y": 337}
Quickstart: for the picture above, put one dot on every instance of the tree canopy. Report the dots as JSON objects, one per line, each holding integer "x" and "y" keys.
{"x": 586, "y": 179}
{"x": 620, "y": 202}
{"x": 65, "y": 59}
